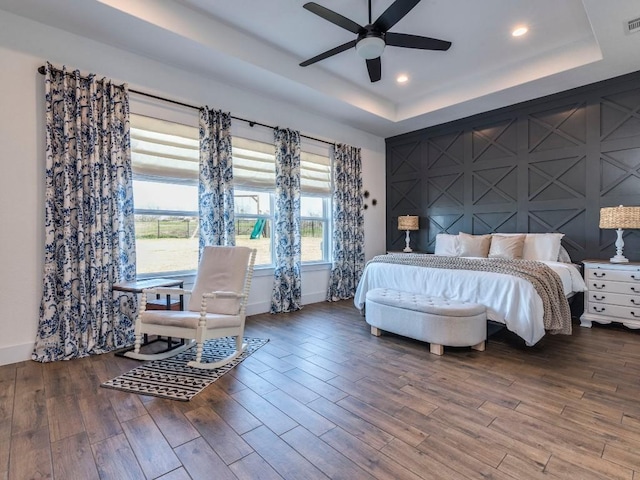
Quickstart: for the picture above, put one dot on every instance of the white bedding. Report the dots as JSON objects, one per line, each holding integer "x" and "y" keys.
{"x": 510, "y": 300}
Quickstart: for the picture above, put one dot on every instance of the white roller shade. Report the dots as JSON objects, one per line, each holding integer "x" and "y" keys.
{"x": 254, "y": 163}
{"x": 254, "y": 167}
{"x": 164, "y": 151}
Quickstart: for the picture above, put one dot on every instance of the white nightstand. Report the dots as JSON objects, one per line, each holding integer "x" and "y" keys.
{"x": 613, "y": 293}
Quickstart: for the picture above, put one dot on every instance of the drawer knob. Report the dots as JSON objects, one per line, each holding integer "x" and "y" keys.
{"x": 601, "y": 309}
{"x": 595, "y": 297}
{"x": 599, "y": 275}
{"x": 602, "y": 286}
{"x": 633, "y": 289}
{"x": 633, "y": 300}
{"x": 635, "y": 277}
{"x": 633, "y": 314}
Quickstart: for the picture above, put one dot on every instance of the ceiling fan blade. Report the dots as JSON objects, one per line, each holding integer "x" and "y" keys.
{"x": 374, "y": 66}
{"x": 329, "y": 53}
{"x": 415, "y": 41}
{"x": 333, "y": 17}
{"x": 392, "y": 15}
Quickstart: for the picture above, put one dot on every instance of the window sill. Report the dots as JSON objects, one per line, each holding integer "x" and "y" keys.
{"x": 267, "y": 271}
{"x": 260, "y": 271}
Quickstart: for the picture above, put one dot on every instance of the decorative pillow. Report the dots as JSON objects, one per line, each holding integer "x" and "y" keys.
{"x": 507, "y": 246}
{"x": 542, "y": 246}
{"x": 474, "y": 245}
{"x": 447, "y": 245}
{"x": 563, "y": 255}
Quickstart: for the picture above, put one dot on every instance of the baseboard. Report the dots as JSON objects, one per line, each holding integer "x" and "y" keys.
{"x": 16, "y": 353}
{"x": 265, "y": 307}
{"x": 22, "y": 352}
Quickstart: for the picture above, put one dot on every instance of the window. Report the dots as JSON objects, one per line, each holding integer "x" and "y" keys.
{"x": 165, "y": 161}
{"x": 254, "y": 189}
{"x": 164, "y": 157}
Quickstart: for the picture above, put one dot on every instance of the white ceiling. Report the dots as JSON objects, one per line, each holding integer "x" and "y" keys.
{"x": 258, "y": 44}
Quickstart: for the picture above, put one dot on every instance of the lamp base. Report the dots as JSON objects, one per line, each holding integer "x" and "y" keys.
{"x": 619, "y": 259}
{"x": 407, "y": 248}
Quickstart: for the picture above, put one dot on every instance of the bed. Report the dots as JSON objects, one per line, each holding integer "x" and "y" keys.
{"x": 510, "y": 300}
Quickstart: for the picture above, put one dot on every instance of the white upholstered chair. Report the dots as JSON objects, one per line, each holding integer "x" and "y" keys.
{"x": 215, "y": 309}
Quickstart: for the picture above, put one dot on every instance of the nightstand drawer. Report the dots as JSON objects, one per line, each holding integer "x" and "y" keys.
{"x": 613, "y": 287}
{"x": 631, "y": 313}
{"x": 615, "y": 275}
{"x": 614, "y": 299}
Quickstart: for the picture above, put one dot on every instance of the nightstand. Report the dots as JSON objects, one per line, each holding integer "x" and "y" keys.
{"x": 394, "y": 252}
{"x": 613, "y": 293}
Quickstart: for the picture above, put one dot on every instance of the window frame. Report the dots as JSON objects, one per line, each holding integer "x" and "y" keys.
{"x": 185, "y": 116}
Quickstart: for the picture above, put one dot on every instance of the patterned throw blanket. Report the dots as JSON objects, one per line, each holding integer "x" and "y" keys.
{"x": 547, "y": 283}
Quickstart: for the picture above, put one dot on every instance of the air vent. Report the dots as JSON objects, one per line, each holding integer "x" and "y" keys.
{"x": 633, "y": 26}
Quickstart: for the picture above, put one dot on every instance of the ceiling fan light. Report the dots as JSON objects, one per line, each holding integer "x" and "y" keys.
{"x": 370, "y": 47}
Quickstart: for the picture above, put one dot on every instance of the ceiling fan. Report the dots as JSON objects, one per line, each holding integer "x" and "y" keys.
{"x": 372, "y": 38}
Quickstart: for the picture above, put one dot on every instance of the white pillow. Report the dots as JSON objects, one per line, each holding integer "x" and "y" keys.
{"x": 563, "y": 255}
{"x": 542, "y": 246}
{"x": 447, "y": 245}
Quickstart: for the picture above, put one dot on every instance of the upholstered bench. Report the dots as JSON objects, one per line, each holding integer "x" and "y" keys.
{"x": 436, "y": 320}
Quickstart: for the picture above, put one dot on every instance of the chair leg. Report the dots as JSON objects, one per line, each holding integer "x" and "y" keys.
{"x": 199, "y": 349}
{"x": 138, "y": 341}
{"x": 240, "y": 348}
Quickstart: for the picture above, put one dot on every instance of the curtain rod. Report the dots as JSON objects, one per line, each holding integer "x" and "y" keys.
{"x": 251, "y": 123}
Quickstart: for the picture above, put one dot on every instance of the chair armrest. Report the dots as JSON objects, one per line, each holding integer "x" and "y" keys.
{"x": 166, "y": 291}
{"x": 222, "y": 294}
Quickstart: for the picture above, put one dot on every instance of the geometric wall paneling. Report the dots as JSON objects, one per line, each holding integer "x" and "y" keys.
{"x": 556, "y": 220}
{"x": 556, "y": 128}
{"x": 445, "y": 150}
{"x": 494, "y": 142}
{"x": 445, "y": 223}
{"x": 494, "y": 185}
{"x": 559, "y": 179}
{"x": 620, "y": 115}
{"x": 405, "y": 159}
{"x": 441, "y": 223}
{"x": 405, "y": 196}
{"x": 484, "y": 223}
{"x": 445, "y": 190}
{"x": 620, "y": 172}
{"x": 546, "y": 165}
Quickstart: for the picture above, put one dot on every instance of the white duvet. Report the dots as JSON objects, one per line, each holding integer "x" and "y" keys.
{"x": 510, "y": 300}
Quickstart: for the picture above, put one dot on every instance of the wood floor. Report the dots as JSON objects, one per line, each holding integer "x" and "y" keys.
{"x": 325, "y": 399}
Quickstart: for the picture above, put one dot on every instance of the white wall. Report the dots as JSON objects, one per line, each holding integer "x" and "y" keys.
{"x": 24, "y": 46}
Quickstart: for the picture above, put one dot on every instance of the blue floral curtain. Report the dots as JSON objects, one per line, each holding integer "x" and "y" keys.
{"x": 287, "y": 286}
{"x": 89, "y": 223}
{"x": 348, "y": 223}
{"x": 215, "y": 186}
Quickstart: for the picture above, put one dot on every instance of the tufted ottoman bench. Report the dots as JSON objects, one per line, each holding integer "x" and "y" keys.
{"x": 436, "y": 320}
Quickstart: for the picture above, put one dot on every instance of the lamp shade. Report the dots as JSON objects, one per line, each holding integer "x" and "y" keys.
{"x": 620, "y": 217}
{"x": 408, "y": 222}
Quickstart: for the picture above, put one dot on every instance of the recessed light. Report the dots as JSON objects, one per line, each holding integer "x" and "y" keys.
{"x": 519, "y": 31}
{"x": 402, "y": 78}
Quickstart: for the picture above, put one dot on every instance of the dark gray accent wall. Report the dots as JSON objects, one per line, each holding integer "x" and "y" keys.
{"x": 547, "y": 165}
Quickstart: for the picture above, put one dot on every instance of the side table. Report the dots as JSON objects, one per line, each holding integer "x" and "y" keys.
{"x": 136, "y": 287}
{"x": 613, "y": 293}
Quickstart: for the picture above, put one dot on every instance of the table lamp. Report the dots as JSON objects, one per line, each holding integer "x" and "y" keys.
{"x": 619, "y": 218}
{"x": 408, "y": 223}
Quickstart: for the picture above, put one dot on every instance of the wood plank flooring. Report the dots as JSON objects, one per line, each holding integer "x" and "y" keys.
{"x": 325, "y": 399}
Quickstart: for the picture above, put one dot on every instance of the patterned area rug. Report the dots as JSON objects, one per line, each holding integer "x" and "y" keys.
{"x": 172, "y": 378}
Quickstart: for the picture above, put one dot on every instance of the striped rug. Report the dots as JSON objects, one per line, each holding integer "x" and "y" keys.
{"x": 171, "y": 378}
